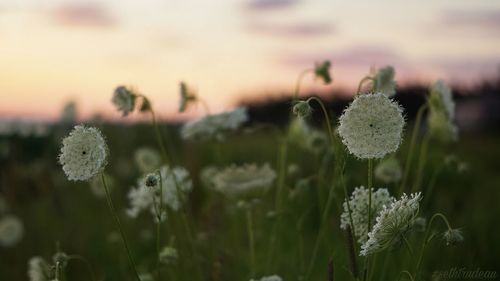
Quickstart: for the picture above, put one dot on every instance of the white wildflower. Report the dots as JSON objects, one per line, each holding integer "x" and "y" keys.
{"x": 453, "y": 237}
{"x": 268, "y": 278}
{"x": 214, "y": 126}
{"x": 384, "y": 81}
{"x": 147, "y": 159}
{"x": 245, "y": 180}
{"x": 38, "y": 269}
{"x": 124, "y": 100}
{"x": 392, "y": 223}
{"x": 11, "y": 231}
{"x": 83, "y": 154}
{"x": 441, "y": 115}
{"x": 302, "y": 109}
{"x": 372, "y": 126}
{"x": 169, "y": 255}
{"x": 358, "y": 203}
{"x": 175, "y": 184}
{"x": 389, "y": 170}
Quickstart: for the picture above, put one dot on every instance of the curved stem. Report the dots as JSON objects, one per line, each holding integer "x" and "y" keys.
{"x": 205, "y": 105}
{"x": 413, "y": 141}
{"x": 327, "y": 118}
{"x": 119, "y": 226}
{"x": 298, "y": 84}
{"x": 407, "y": 274}
{"x": 427, "y": 240}
{"x": 366, "y": 78}
{"x": 251, "y": 239}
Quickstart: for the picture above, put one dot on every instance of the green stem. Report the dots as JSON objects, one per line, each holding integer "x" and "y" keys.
{"x": 421, "y": 162}
{"x": 298, "y": 84}
{"x": 432, "y": 183}
{"x": 407, "y": 274}
{"x": 159, "y": 138}
{"x": 370, "y": 184}
{"x": 427, "y": 240}
{"x": 158, "y": 229}
{"x": 413, "y": 141}
{"x": 327, "y": 118}
{"x": 251, "y": 239}
{"x": 119, "y": 226}
{"x": 366, "y": 78}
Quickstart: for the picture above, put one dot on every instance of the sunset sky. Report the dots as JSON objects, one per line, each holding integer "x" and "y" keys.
{"x": 52, "y": 51}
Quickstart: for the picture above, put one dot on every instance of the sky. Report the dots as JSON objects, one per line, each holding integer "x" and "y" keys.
{"x": 53, "y": 52}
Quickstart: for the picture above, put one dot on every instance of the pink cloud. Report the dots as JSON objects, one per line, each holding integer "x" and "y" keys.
{"x": 83, "y": 14}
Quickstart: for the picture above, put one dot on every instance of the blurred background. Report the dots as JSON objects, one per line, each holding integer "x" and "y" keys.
{"x": 61, "y": 61}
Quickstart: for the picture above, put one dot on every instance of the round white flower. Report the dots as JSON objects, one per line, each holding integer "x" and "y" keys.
{"x": 389, "y": 170}
{"x": 384, "y": 81}
{"x": 214, "y": 126}
{"x": 372, "y": 126}
{"x": 38, "y": 269}
{"x": 392, "y": 223}
{"x": 147, "y": 159}
{"x": 245, "y": 180}
{"x": 11, "y": 231}
{"x": 359, "y": 210}
{"x": 124, "y": 100}
{"x": 83, "y": 154}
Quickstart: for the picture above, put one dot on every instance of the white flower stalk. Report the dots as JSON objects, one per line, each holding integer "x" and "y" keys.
{"x": 442, "y": 113}
{"x": 384, "y": 81}
{"x": 83, "y": 154}
{"x": 389, "y": 170}
{"x": 38, "y": 269}
{"x": 244, "y": 181}
{"x": 372, "y": 126}
{"x": 11, "y": 231}
{"x": 268, "y": 278}
{"x": 214, "y": 126}
{"x": 147, "y": 159}
{"x": 124, "y": 100}
{"x": 175, "y": 184}
{"x": 392, "y": 224}
{"x": 358, "y": 204}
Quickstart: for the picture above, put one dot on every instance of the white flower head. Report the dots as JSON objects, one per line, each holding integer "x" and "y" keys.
{"x": 372, "y": 126}
{"x": 124, "y": 100}
{"x": 38, "y": 269}
{"x": 245, "y": 180}
{"x": 358, "y": 204}
{"x": 11, "y": 231}
{"x": 453, "y": 237}
{"x": 147, "y": 159}
{"x": 268, "y": 278}
{"x": 83, "y": 153}
{"x": 214, "y": 127}
{"x": 175, "y": 184}
{"x": 302, "y": 109}
{"x": 392, "y": 223}
{"x": 441, "y": 117}
{"x": 389, "y": 170}
{"x": 384, "y": 81}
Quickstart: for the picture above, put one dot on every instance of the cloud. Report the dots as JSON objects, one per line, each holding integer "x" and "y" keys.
{"x": 305, "y": 29}
{"x": 83, "y": 14}
{"x": 469, "y": 22}
{"x": 269, "y": 5}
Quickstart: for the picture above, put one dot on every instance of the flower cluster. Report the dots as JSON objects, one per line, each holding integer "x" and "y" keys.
{"x": 358, "y": 204}
{"x": 372, "y": 126}
{"x": 124, "y": 99}
{"x": 214, "y": 126}
{"x": 392, "y": 223}
{"x": 83, "y": 154}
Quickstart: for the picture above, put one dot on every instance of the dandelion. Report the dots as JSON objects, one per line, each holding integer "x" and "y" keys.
{"x": 442, "y": 113}
{"x": 384, "y": 81}
{"x": 453, "y": 237}
{"x": 38, "y": 269}
{"x": 11, "y": 231}
{"x": 214, "y": 127}
{"x": 187, "y": 96}
{"x": 124, "y": 100}
{"x": 389, "y": 170}
{"x": 268, "y": 278}
{"x": 147, "y": 159}
{"x": 392, "y": 224}
{"x": 322, "y": 71}
{"x": 244, "y": 181}
{"x": 83, "y": 154}
{"x": 302, "y": 109}
{"x": 358, "y": 204}
{"x": 372, "y": 126}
